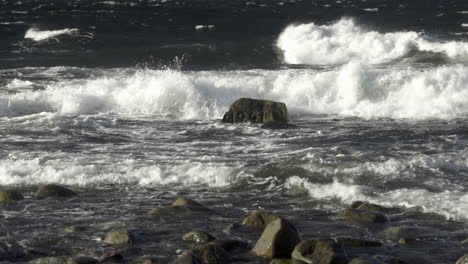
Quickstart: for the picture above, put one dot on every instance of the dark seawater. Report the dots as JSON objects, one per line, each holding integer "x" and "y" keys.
{"x": 122, "y": 100}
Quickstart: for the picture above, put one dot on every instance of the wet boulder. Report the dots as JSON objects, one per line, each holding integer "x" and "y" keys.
{"x": 180, "y": 206}
{"x": 82, "y": 260}
{"x": 278, "y": 240}
{"x": 206, "y": 254}
{"x": 10, "y": 196}
{"x": 231, "y": 244}
{"x": 49, "y": 260}
{"x": 260, "y": 219}
{"x": 349, "y": 242}
{"x": 198, "y": 236}
{"x": 371, "y": 207}
{"x": 119, "y": 238}
{"x": 111, "y": 257}
{"x": 56, "y": 191}
{"x": 320, "y": 251}
{"x": 256, "y": 111}
{"x": 363, "y": 216}
{"x": 463, "y": 260}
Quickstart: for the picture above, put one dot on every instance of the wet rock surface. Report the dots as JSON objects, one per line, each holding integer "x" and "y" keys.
{"x": 256, "y": 111}
{"x": 107, "y": 235}
{"x": 278, "y": 240}
{"x": 10, "y": 196}
{"x": 54, "y": 191}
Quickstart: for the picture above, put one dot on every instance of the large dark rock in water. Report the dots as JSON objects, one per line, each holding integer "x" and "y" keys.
{"x": 52, "y": 190}
{"x": 256, "y": 111}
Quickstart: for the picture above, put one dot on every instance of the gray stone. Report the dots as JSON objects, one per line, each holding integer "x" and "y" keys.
{"x": 82, "y": 260}
{"x": 256, "y": 111}
{"x": 198, "y": 236}
{"x": 363, "y": 216}
{"x": 231, "y": 244}
{"x": 463, "y": 260}
{"x": 260, "y": 219}
{"x": 111, "y": 256}
{"x": 186, "y": 202}
{"x": 204, "y": 254}
{"x": 281, "y": 261}
{"x": 374, "y": 207}
{"x": 180, "y": 206}
{"x": 320, "y": 251}
{"x": 119, "y": 238}
{"x": 348, "y": 242}
{"x": 75, "y": 229}
{"x": 365, "y": 260}
{"x": 49, "y": 260}
{"x": 278, "y": 240}
{"x": 52, "y": 190}
{"x": 10, "y": 196}
{"x": 398, "y": 232}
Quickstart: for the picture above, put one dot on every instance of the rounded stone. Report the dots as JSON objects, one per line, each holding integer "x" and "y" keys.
{"x": 119, "y": 238}
{"x": 52, "y": 190}
{"x": 198, "y": 236}
{"x": 82, "y": 260}
{"x": 10, "y": 196}
{"x": 260, "y": 219}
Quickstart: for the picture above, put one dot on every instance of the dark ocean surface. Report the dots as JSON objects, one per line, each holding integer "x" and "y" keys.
{"x": 122, "y": 100}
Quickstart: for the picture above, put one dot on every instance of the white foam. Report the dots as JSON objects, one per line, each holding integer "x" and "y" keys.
{"x": 451, "y": 204}
{"x": 74, "y": 172}
{"x": 344, "y": 41}
{"x": 41, "y": 35}
{"x": 350, "y": 90}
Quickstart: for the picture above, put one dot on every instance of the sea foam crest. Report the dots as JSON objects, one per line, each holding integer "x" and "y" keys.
{"x": 35, "y": 171}
{"x": 350, "y": 90}
{"x": 41, "y": 35}
{"x": 345, "y": 41}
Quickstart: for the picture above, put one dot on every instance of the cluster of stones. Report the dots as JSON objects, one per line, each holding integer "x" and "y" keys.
{"x": 279, "y": 243}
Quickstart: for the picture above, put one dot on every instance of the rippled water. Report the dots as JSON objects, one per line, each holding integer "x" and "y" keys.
{"x": 122, "y": 101}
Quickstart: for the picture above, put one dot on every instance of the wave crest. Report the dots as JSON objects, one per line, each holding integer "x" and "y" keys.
{"x": 344, "y": 41}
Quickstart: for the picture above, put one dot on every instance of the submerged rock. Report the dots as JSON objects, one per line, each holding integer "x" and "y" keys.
{"x": 260, "y": 219}
{"x": 371, "y": 207}
{"x": 363, "y": 216}
{"x": 52, "y": 190}
{"x": 49, "y": 260}
{"x": 320, "y": 251}
{"x": 256, "y": 111}
{"x": 207, "y": 254}
{"x": 10, "y": 196}
{"x": 231, "y": 244}
{"x": 82, "y": 260}
{"x": 180, "y": 206}
{"x": 278, "y": 240}
{"x": 198, "y": 236}
{"x": 119, "y": 238}
{"x": 75, "y": 228}
{"x": 112, "y": 257}
{"x": 348, "y": 242}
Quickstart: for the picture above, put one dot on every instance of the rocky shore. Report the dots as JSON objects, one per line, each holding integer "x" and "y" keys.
{"x": 186, "y": 231}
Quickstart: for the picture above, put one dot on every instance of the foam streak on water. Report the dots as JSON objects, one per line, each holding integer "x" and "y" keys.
{"x": 41, "y": 35}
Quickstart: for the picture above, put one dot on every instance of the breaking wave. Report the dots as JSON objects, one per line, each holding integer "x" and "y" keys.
{"x": 344, "y": 41}
{"x": 350, "y": 90}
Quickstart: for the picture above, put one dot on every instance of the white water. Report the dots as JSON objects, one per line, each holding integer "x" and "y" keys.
{"x": 24, "y": 172}
{"x": 350, "y": 184}
{"x": 344, "y": 41}
{"x": 41, "y": 35}
{"x": 349, "y": 90}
